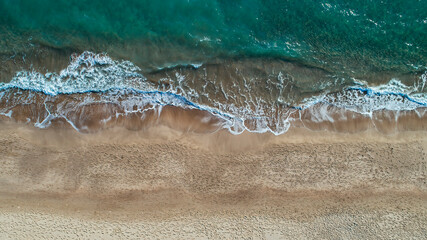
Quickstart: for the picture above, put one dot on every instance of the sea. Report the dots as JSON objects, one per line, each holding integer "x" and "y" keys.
{"x": 242, "y": 66}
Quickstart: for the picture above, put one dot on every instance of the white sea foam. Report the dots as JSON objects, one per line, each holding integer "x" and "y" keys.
{"x": 86, "y": 72}
{"x": 122, "y": 83}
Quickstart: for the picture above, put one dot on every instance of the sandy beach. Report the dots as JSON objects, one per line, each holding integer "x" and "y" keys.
{"x": 165, "y": 183}
{"x": 251, "y": 119}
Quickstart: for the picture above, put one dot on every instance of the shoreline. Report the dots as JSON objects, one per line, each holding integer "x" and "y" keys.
{"x": 164, "y": 178}
{"x": 98, "y": 114}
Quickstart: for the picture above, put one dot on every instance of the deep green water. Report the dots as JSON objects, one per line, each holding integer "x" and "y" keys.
{"x": 354, "y": 37}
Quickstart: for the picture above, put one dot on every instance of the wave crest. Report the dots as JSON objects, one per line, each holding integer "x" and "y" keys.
{"x": 93, "y": 79}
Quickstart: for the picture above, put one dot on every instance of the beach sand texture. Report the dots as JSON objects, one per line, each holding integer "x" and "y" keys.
{"x": 164, "y": 183}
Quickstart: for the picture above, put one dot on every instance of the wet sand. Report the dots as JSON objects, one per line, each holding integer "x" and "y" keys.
{"x": 172, "y": 184}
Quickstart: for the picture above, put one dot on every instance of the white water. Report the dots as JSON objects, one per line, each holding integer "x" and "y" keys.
{"x": 121, "y": 82}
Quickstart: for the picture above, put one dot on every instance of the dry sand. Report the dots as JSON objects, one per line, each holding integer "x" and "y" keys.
{"x": 165, "y": 184}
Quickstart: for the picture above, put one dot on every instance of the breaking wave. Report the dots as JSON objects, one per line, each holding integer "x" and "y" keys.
{"x": 96, "y": 79}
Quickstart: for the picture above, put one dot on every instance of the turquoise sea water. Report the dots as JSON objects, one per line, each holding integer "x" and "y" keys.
{"x": 335, "y": 35}
{"x": 239, "y": 57}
